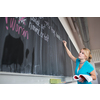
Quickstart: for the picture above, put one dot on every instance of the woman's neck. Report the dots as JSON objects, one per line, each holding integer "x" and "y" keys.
{"x": 82, "y": 61}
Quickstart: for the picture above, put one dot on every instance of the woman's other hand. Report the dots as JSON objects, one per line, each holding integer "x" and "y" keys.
{"x": 82, "y": 79}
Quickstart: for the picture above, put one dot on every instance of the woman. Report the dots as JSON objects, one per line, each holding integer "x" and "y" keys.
{"x": 82, "y": 64}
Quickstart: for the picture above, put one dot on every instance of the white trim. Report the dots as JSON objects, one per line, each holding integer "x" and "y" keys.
{"x": 19, "y": 78}
{"x": 67, "y": 28}
{"x": 29, "y": 75}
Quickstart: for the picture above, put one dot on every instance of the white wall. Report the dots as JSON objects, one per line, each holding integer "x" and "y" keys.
{"x": 95, "y": 59}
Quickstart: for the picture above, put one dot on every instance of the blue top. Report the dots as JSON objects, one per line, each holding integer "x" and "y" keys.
{"x": 85, "y": 69}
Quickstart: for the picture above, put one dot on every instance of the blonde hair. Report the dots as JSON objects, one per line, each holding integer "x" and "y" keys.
{"x": 87, "y": 54}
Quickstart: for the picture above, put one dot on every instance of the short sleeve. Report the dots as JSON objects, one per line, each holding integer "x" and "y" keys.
{"x": 77, "y": 60}
{"x": 90, "y": 68}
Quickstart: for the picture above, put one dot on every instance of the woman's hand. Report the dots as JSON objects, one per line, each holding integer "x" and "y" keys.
{"x": 82, "y": 79}
{"x": 65, "y": 43}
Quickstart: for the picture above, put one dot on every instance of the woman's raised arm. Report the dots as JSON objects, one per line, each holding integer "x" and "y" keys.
{"x": 68, "y": 52}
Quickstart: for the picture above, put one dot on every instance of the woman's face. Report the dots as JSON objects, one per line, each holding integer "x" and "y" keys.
{"x": 82, "y": 55}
